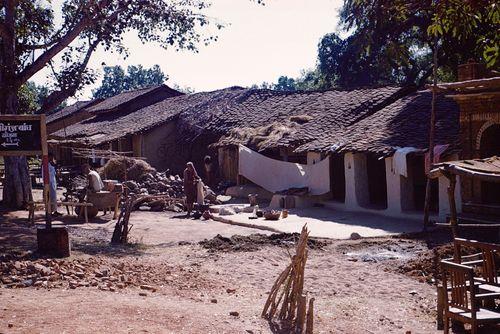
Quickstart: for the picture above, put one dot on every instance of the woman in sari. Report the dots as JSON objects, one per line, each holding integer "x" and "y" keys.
{"x": 191, "y": 179}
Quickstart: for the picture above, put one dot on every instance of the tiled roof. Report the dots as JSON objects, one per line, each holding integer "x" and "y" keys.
{"x": 106, "y": 127}
{"x": 326, "y": 111}
{"x": 217, "y": 113}
{"x": 69, "y": 110}
{"x": 127, "y": 97}
{"x": 403, "y": 123}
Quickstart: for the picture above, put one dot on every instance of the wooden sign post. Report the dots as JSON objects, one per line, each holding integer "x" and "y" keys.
{"x": 26, "y": 135}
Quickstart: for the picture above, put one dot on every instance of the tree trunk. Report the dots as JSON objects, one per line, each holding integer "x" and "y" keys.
{"x": 17, "y": 184}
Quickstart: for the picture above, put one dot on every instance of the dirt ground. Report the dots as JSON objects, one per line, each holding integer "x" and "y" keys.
{"x": 359, "y": 286}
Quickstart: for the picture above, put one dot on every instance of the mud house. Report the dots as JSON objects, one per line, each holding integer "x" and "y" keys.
{"x": 374, "y": 139}
{"x": 381, "y": 159}
{"x": 98, "y": 124}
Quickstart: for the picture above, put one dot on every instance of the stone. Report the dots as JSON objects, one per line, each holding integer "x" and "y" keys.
{"x": 230, "y": 290}
{"x": 234, "y": 313}
{"x": 79, "y": 274}
{"x": 41, "y": 269}
{"x": 148, "y": 287}
{"x": 213, "y": 301}
{"x": 355, "y": 236}
{"x": 143, "y": 294}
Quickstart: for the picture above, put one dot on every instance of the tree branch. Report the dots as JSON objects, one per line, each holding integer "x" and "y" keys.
{"x": 66, "y": 40}
{"x": 59, "y": 96}
{"x": 43, "y": 59}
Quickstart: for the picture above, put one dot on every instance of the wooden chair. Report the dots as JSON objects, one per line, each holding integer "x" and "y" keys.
{"x": 461, "y": 300}
{"x": 484, "y": 259}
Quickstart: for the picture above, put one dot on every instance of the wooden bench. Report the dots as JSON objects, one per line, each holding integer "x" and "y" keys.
{"x": 32, "y": 205}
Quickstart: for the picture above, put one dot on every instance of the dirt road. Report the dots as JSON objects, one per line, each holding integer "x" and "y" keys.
{"x": 197, "y": 287}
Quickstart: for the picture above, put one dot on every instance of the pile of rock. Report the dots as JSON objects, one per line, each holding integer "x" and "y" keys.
{"x": 50, "y": 273}
{"x": 157, "y": 183}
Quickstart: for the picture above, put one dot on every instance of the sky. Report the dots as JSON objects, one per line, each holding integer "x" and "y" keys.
{"x": 259, "y": 43}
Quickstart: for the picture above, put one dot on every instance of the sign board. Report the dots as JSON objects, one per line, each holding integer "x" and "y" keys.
{"x": 27, "y": 135}
{"x": 22, "y": 134}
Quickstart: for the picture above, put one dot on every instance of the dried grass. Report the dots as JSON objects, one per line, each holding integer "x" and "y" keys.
{"x": 124, "y": 168}
{"x": 260, "y": 138}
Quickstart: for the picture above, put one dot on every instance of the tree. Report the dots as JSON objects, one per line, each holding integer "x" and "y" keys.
{"x": 330, "y": 50}
{"x": 32, "y": 38}
{"x": 32, "y": 97}
{"x": 392, "y": 40}
{"x": 285, "y": 84}
{"x": 116, "y": 80}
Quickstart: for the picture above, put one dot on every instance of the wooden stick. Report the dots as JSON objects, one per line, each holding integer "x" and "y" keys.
{"x": 310, "y": 317}
{"x": 301, "y": 315}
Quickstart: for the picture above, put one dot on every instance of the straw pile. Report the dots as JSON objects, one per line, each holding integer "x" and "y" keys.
{"x": 124, "y": 168}
{"x": 286, "y": 301}
{"x": 259, "y": 138}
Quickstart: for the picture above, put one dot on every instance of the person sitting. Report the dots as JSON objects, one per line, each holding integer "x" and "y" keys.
{"x": 95, "y": 183}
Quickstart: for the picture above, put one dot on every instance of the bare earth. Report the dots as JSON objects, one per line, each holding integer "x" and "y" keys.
{"x": 197, "y": 288}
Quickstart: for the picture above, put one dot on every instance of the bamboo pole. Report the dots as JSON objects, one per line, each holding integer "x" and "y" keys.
{"x": 431, "y": 135}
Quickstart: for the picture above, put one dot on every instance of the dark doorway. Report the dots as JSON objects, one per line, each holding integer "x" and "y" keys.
{"x": 377, "y": 184}
{"x": 337, "y": 177}
{"x": 416, "y": 170}
{"x": 490, "y": 146}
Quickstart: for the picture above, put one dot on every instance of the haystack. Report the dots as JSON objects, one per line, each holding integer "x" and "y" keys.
{"x": 124, "y": 168}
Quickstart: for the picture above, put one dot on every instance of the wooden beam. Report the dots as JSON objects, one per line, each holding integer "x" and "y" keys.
{"x": 468, "y": 85}
{"x": 453, "y": 206}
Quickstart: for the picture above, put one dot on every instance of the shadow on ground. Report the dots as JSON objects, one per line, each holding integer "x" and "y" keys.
{"x": 18, "y": 237}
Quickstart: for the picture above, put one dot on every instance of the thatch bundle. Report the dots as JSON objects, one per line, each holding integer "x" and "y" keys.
{"x": 124, "y": 168}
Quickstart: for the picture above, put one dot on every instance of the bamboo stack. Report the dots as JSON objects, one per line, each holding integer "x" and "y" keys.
{"x": 286, "y": 301}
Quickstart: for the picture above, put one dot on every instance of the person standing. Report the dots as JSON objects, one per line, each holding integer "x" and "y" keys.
{"x": 52, "y": 185}
{"x": 209, "y": 171}
{"x": 191, "y": 179}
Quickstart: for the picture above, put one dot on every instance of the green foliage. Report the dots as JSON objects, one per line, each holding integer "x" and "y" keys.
{"x": 62, "y": 37}
{"x": 285, "y": 84}
{"x": 31, "y": 97}
{"x": 478, "y": 21}
{"x": 391, "y": 42}
{"x": 116, "y": 80}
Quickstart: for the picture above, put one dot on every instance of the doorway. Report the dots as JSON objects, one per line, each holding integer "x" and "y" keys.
{"x": 377, "y": 183}
{"x": 337, "y": 177}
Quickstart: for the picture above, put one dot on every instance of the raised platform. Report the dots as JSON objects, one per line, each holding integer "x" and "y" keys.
{"x": 328, "y": 223}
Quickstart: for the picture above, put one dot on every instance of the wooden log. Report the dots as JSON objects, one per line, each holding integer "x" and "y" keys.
{"x": 301, "y": 315}
{"x": 310, "y": 317}
{"x": 440, "y": 307}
